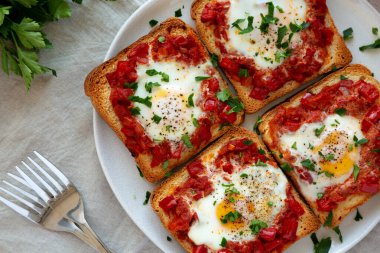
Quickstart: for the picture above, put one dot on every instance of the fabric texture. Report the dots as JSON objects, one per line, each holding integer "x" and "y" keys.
{"x": 55, "y": 118}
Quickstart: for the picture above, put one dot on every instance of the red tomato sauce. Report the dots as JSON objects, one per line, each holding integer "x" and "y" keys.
{"x": 198, "y": 185}
{"x": 358, "y": 99}
{"x": 304, "y": 62}
{"x": 174, "y": 48}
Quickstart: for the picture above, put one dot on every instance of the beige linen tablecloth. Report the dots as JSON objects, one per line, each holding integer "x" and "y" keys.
{"x": 55, "y": 118}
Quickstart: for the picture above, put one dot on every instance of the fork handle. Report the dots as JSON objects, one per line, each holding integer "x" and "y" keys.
{"x": 86, "y": 234}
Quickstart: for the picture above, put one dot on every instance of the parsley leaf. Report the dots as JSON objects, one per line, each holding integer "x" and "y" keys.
{"x": 243, "y": 73}
{"x": 257, "y": 225}
{"x": 328, "y": 220}
{"x": 156, "y": 118}
{"x": 201, "y": 78}
{"x": 286, "y": 167}
{"x": 294, "y": 146}
{"x": 375, "y": 30}
{"x": 29, "y": 33}
{"x": 223, "y": 243}
{"x": 340, "y": 111}
{"x": 268, "y": 19}
{"x": 281, "y": 32}
{"x": 234, "y": 102}
{"x": 356, "y": 172}
{"x": 348, "y": 33}
{"x": 249, "y": 26}
{"x": 374, "y": 45}
{"x": 178, "y": 13}
{"x": 186, "y": 140}
{"x": 59, "y": 9}
{"x": 307, "y": 163}
{"x": 190, "y": 102}
{"x": 195, "y": 122}
{"x": 260, "y": 163}
{"x": 153, "y": 22}
{"x": 231, "y": 216}
{"x": 153, "y": 72}
{"x": 319, "y": 195}
{"x": 282, "y": 54}
{"x": 247, "y": 142}
{"x": 214, "y": 60}
{"x": 297, "y": 28}
{"x": 359, "y": 142}
{"x": 322, "y": 246}
{"x": 358, "y": 216}
{"x": 135, "y": 111}
{"x": 257, "y": 123}
{"x": 4, "y": 10}
{"x": 146, "y": 101}
{"x": 337, "y": 230}
{"x": 319, "y": 131}
{"x": 147, "y": 197}
{"x": 132, "y": 86}
{"x": 149, "y": 86}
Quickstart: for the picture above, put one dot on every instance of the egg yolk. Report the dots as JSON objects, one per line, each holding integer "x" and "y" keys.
{"x": 343, "y": 162}
{"x": 224, "y": 208}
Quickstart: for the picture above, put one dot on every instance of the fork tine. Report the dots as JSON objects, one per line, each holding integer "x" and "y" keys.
{"x": 48, "y": 187}
{"x": 20, "y": 210}
{"x": 34, "y": 186}
{"x": 26, "y": 194}
{"x": 52, "y": 180}
{"x": 54, "y": 169}
{"x": 25, "y": 202}
{"x": 19, "y": 179}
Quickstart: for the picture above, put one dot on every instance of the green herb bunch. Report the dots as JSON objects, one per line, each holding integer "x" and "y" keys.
{"x": 21, "y": 34}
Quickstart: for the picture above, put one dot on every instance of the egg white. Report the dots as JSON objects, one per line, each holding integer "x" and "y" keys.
{"x": 170, "y": 99}
{"x": 346, "y": 127}
{"x": 263, "y": 185}
{"x": 256, "y": 42}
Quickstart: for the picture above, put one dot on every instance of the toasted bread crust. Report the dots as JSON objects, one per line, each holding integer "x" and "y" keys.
{"x": 97, "y": 88}
{"x": 354, "y": 72}
{"x": 308, "y": 222}
{"x": 338, "y": 57}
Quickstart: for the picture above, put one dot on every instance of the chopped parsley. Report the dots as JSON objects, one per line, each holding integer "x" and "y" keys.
{"x": 340, "y": 111}
{"x": 161, "y": 39}
{"x": 375, "y": 150}
{"x": 214, "y": 60}
{"x": 243, "y": 73}
{"x": 132, "y": 86}
{"x": 231, "y": 216}
{"x": 256, "y": 226}
{"x": 286, "y": 167}
{"x": 156, "y": 118}
{"x": 234, "y": 102}
{"x": 375, "y": 30}
{"x": 322, "y": 246}
{"x": 268, "y": 19}
{"x": 201, "y": 78}
{"x": 165, "y": 164}
{"x": 261, "y": 151}
{"x": 359, "y": 142}
{"x": 356, "y": 171}
{"x": 281, "y": 33}
{"x": 145, "y": 101}
{"x": 149, "y": 86}
{"x": 319, "y": 131}
{"x": 342, "y": 77}
{"x": 339, "y": 233}
{"x": 153, "y": 72}
{"x": 190, "y": 102}
{"x": 279, "y": 9}
{"x": 374, "y": 45}
{"x": 358, "y": 216}
{"x": 282, "y": 54}
{"x": 153, "y": 22}
{"x": 308, "y": 164}
{"x": 327, "y": 174}
{"x": 223, "y": 243}
{"x": 186, "y": 140}
{"x": 247, "y": 142}
{"x": 147, "y": 197}
{"x": 244, "y": 175}
{"x": 249, "y": 27}
{"x": 178, "y": 13}
{"x": 270, "y": 203}
{"x": 328, "y": 220}
{"x": 327, "y": 157}
{"x": 294, "y": 146}
{"x": 348, "y": 33}
{"x": 311, "y": 147}
{"x": 320, "y": 195}
{"x": 141, "y": 174}
{"x": 261, "y": 164}
{"x": 195, "y": 122}
{"x": 135, "y": 111}
{"x": 258, "y": 122}
{"x": 295, "y": 28}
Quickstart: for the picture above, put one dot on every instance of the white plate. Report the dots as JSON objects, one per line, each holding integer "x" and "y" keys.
{"x": 119, "y": 166}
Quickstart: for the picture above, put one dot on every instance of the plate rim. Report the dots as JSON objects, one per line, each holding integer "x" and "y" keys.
{"x": 97, "y": 119}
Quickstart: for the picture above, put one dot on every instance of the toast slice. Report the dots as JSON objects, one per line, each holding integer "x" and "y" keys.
{"x": 233, "y": 196}
{"x": 327, "y": 138}
{"x": 267, "y": 56}
{"x": 163, "y": 98}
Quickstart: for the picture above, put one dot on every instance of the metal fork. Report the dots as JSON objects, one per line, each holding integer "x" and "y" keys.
{"x": 54, "y": 204}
